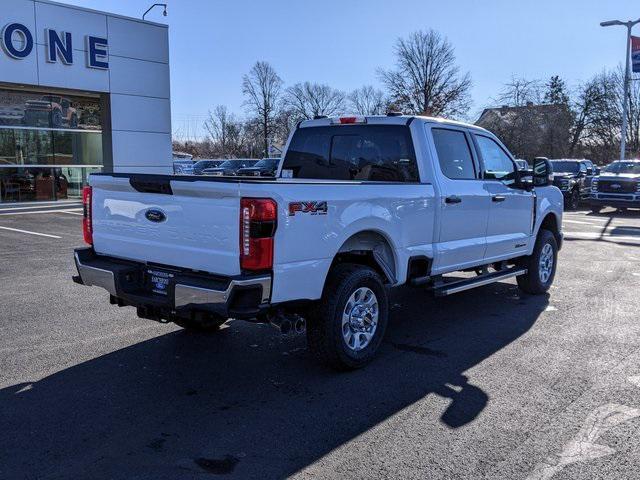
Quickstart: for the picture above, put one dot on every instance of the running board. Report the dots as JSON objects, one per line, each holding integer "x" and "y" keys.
{"x": 459, "y": 286}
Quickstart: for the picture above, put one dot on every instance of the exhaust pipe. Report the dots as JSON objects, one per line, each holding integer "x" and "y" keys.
{"x": 289, "y": 324}
{"x": 300, "y": 325}
{"x": 283, "y": 324}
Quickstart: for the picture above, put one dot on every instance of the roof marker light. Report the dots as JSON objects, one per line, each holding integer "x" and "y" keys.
{"x": 348, "y": 120}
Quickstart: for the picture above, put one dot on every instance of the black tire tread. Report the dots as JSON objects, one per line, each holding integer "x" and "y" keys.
{"x": 321, "y": 338}
{"x": 530, "y": 282}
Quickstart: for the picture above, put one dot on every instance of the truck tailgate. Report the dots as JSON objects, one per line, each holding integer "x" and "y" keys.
{"x": 196, "y": 226}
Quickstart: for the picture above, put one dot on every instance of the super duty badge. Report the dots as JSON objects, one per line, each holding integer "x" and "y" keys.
{"x": 313, "y": 208}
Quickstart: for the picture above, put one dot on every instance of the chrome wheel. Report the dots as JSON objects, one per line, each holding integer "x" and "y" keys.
{"x": 360, "y": 319}
{"x": 545, "y": 265}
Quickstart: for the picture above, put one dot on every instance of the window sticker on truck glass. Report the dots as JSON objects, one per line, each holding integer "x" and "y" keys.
{"x": 312, "y": 208}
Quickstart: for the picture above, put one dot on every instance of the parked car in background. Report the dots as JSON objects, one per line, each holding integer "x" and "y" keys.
{"x": 182, "y": 163}
{"x": 522, "y": 164}
{"x": 201, "y": 165}
{"x": 183, "y": 167}
{"x": 618, "y": 185}
{"x": 264, "y": 168}
{"x": 592, "y": 171}
{"x": 573, "y": 178}
{"x": 229, "y": 167}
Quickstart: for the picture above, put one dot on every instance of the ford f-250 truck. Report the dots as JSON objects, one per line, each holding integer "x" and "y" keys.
{"x": 360, "y": 204}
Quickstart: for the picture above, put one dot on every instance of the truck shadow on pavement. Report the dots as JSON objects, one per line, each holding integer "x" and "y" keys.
{"x": 250, "y": 403}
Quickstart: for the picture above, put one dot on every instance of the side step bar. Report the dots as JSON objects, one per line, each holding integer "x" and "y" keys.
{"x": 445, "y": 289}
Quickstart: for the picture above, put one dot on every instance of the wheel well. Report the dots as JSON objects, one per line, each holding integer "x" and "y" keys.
{"x": 550, "y": 223}
{"x": 371, "y": 249}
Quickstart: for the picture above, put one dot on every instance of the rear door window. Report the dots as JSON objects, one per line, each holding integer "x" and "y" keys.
{"x": 378, "y": 153}
{"x": 454, "y": 154}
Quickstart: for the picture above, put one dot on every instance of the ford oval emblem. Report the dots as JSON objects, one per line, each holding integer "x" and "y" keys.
{"x": 154, "y": 215}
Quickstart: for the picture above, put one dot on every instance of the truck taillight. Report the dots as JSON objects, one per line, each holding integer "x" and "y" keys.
{"x": 258, "y": 221}
{"x": 87, "y": 227}
{"x": 348, "y": 120}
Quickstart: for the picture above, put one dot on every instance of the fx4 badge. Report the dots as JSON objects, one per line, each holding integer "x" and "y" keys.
{"x": 313, "y": 208}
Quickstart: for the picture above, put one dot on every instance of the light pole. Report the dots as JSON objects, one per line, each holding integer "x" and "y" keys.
{"x": 627, "y": 79}
{"x": 164, "y": 12}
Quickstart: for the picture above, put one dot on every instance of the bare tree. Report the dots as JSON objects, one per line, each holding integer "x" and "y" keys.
{"x": 519, "y": 92}
{"x": 224, "y": 132}
{"x": 597, "y": 117}
{"x": 307, "y": 100}
{"x": 426, "y": 79}
{"x": 262, "y": 88}
{"x": 367, "y": 101}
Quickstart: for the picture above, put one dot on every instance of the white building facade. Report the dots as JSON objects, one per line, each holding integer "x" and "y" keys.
{"x": 80, "y": 91}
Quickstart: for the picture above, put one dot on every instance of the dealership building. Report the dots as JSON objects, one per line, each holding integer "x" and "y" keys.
{"x": 81, "y": 91}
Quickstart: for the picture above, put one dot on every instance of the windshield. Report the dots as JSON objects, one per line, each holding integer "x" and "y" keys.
{"x": 623, "y": 167}
{"x": 569, "y": 167}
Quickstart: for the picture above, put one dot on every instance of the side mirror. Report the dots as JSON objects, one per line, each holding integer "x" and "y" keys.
{"x": 542, "y": 172}
{"x": 524, "y": 180}
{"x": 598, "y": 170}
{"x": 589, "y": 172}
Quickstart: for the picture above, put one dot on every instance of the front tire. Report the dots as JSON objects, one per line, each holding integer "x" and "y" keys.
{"x": 347, "y": 327}
{"x": 573, "y": 202}
{"x": 541, "y": 265}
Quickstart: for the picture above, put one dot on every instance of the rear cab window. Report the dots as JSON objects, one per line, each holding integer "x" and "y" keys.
{"x": 375, "y": 153}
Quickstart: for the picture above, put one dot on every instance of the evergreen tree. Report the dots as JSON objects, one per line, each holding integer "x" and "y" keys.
{"x": 556, "y": 91}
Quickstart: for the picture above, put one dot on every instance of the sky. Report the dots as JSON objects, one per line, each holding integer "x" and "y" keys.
{"x": 213, "y": 43}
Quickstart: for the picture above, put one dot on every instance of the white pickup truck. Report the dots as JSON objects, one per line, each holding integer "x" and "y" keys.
{"x": 358, "y": 205}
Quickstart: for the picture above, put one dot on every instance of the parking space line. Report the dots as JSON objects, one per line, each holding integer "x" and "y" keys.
{"x": 32, "y": 213}
{"x": 605, "y": 236}
{"x": 30, "y": 232}
{"x": 578, "y": 221}
{"x": 32, "y": 207}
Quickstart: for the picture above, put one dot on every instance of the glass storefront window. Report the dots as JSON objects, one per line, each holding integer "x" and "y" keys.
{"x": 22, "y": 184}
{"x": 77, "y": 148}
{"x": 30, "y": 109}
{"x": 49, "y": 147}
{"x": 49, "y": 144}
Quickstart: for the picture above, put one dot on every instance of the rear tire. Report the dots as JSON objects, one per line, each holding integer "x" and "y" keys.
{"x": 346, "y": 328}
{"x": 540, "y": 265}
{"x": 201, "y": 324}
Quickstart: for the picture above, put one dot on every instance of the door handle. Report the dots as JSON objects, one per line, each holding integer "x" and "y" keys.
{"x": 453, "y": 199}
{"x": 498, "y": 198}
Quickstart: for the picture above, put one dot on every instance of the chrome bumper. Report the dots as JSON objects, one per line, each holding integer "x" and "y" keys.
{"x": 190, "y": 295}
{"x": 184, "y": 295}
{"x": 93, "y": 276}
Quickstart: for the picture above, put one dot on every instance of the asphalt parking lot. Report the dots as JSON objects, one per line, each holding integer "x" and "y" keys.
{"x": 488, "y": 383}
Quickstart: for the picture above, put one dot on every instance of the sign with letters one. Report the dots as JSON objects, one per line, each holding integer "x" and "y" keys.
{"x": 17, "y": 41}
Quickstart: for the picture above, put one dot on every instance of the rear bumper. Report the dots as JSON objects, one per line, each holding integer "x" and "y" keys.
{"x": 128, "y": 284}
